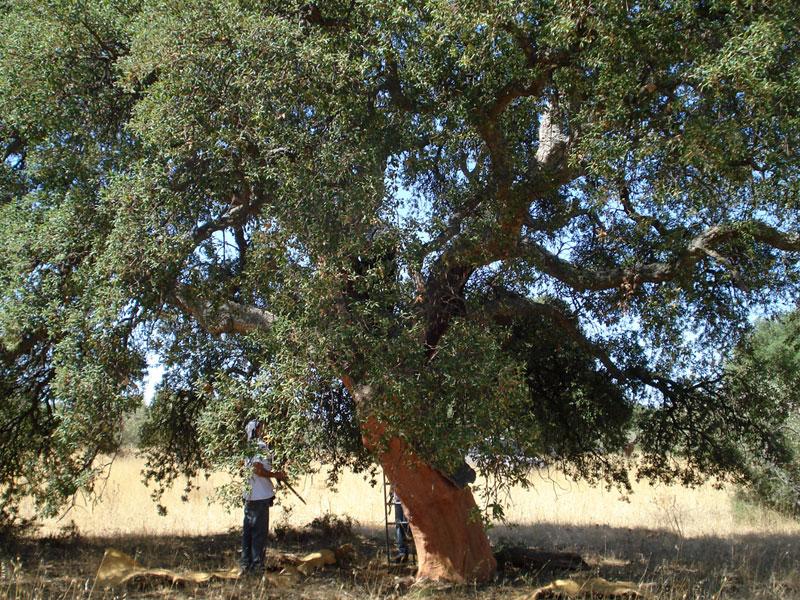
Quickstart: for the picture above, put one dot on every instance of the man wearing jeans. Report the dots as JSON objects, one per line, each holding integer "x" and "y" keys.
{"x": 258, "y": 497}
{"x": 402, "y": 531}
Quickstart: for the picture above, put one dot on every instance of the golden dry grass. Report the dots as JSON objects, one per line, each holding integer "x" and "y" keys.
{"x": 689, "y": 513}
{"x": 124, "y": 507}
{"x": 684, "y": 544}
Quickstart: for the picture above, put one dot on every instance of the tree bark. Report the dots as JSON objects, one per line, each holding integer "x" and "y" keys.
{"x": 448, "y": 534}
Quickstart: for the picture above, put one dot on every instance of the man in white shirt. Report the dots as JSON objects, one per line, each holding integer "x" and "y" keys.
{"x": 258, "y": 497}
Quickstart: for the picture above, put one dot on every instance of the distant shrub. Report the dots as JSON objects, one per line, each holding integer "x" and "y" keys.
{"x": 132, "y": 429}
{"x": 765, "y": 370}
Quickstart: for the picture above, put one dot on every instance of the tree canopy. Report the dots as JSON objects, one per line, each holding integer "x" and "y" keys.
{"x": 485, "y": 228}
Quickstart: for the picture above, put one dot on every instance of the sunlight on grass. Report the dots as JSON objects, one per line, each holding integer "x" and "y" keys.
{"x": 125, "y": 507}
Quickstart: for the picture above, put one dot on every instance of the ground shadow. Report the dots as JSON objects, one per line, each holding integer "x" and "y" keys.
{"x": 746, "y": 565}
{"x": 65, "y": 565}
{"x": 743, "y": 566}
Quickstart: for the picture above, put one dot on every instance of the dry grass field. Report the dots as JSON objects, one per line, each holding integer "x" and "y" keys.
{"x": 681, "y": 543}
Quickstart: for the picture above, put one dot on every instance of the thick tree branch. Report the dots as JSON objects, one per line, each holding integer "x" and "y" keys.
{"x": 542, "y": 56}
{"x": 508, "y": 305}
{"x": 550, "y": 169}
{"x": 559, "y": 220}
{"x": 235, "y": 216}
{"x": 393, "y": 85}
{"x": 516, "y": 89}
{"x": 443, "y": 300}
{"x": 227, "y": 317}
{"x": 656, "y": 272}
{"x": 313, "y": 15}
{"x": 625, "y": 199}
{"x": 773, "y": 237}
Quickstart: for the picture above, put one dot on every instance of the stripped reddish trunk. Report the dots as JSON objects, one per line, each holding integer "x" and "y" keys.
{"x": 449, "y": 537}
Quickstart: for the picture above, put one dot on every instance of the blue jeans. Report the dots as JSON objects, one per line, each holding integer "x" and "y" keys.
{"x": 254, "y": 534}
{"x": 402, "y": 530}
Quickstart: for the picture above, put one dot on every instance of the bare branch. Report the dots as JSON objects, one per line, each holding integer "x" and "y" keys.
{"x": 726, "y": 262}
{"x": 227, "y": 317}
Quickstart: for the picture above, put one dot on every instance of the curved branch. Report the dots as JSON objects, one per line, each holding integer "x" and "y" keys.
{"x": 774, "y": 237}
{"x": 625, "y": 199}
{"x": 235, "y": 216}
{"x": 559, "y": 221}
{"x": 511, "y": 305}
{"x": 516, "y": 89}
{"x": 656, "y": 272}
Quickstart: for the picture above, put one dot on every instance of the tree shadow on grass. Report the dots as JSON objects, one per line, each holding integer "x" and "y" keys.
{"x": 57, "y": 565}
{"x": 739, "y": 566}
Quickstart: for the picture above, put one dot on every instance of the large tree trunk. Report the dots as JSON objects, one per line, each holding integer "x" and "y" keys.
{"x": 449, "y": 537}
{"x": 448, "y": 534}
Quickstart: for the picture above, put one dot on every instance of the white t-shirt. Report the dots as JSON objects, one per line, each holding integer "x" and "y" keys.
{"x": 260, "y": 488}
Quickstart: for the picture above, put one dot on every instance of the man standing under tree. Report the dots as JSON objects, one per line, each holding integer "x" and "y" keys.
{"x": 258, "y": 497}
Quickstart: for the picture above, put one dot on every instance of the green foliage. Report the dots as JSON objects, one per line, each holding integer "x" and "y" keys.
{"x": 576, "y": 411}
{"x": 500, "y": 223}
{"x": 765, "y": 372}
{"x": 132, "y": 428}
